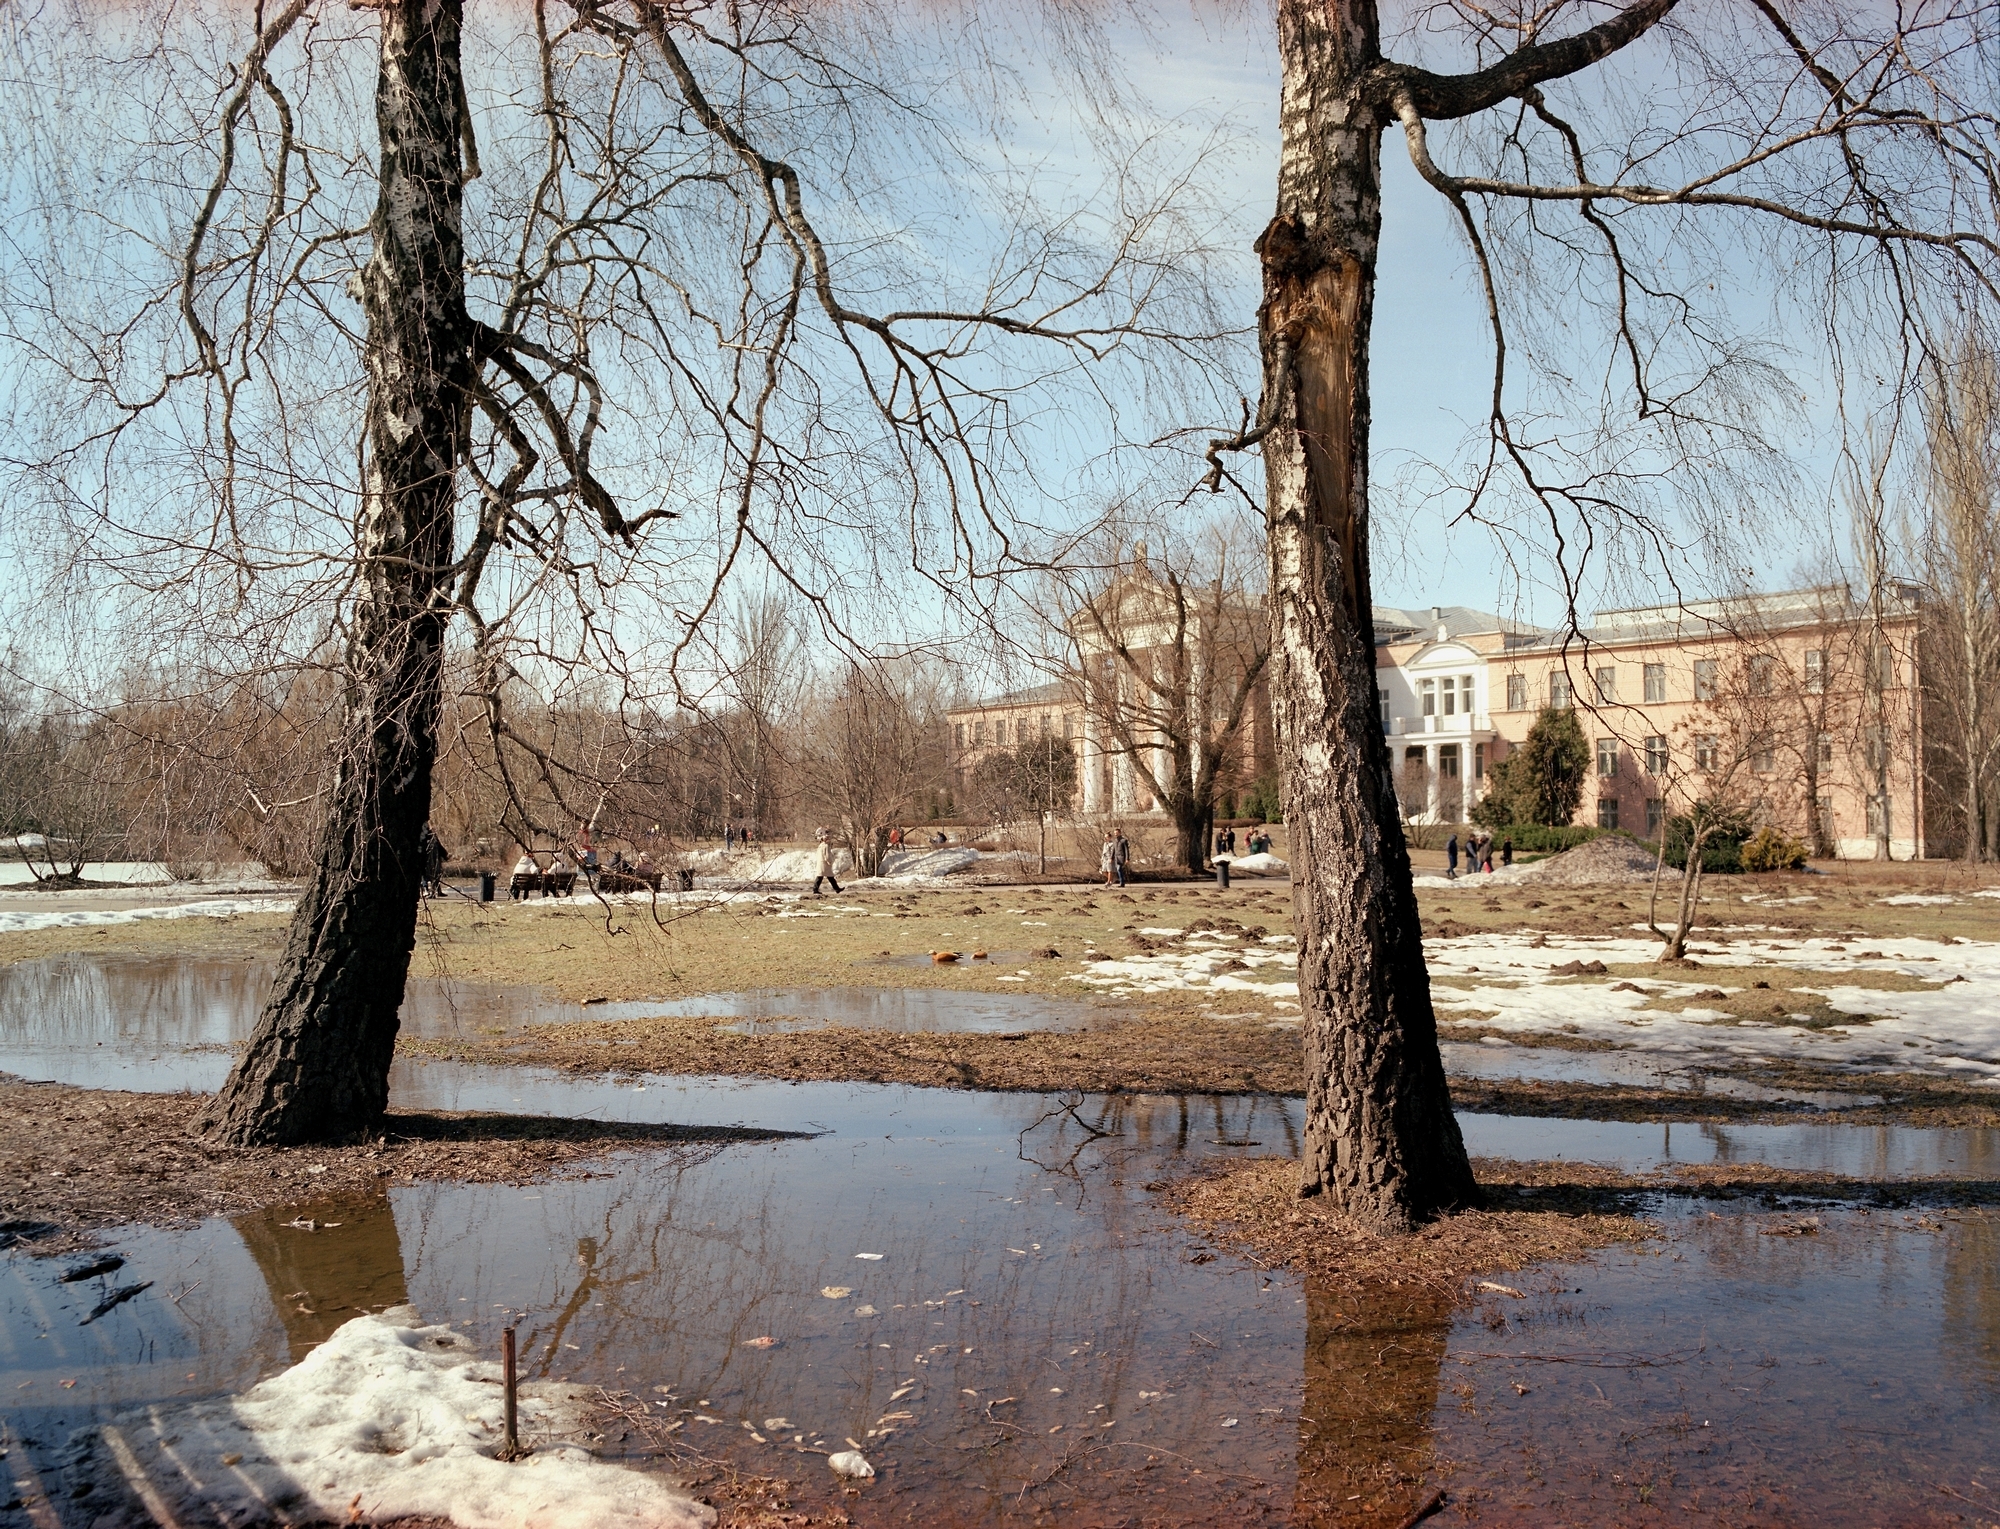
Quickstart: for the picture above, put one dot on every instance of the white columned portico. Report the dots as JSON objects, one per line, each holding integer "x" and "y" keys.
{"x": 1433, "y": 786}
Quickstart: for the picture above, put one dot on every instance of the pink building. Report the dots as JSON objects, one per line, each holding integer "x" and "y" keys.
{"x": 1803, "y": 707}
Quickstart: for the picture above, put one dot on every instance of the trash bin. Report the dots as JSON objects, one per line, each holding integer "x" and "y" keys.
{"x": 486, "y": 886}
{"x": 1222, "y": 874}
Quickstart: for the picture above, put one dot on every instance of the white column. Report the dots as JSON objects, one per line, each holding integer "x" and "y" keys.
{"x": 1092, "y": 766}
{"x": 1436, "y": 786}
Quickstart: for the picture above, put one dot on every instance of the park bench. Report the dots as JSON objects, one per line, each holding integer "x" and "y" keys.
{"x": 626, "y": 879}
{"x": 548, "y": 883}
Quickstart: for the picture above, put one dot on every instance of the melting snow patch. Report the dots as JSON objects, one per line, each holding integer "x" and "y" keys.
{"x": 222, "y": 907}
{"x": 1916, "y": 900}
{"x": 1256, "y": 865}
{"x": 384, "y": 1420}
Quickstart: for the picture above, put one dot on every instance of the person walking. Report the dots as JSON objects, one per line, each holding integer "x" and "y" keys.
{"x": 1104, "y": 853}
{"x": 825, "y": 864}
{"x": 1486, "y": 853}
{"x": 433, "y": 852}
{"x": 1451, "y": 856}
{"x": 1506, "y": 852}
{"x": 1121, "y": 855}
{"x": 728, "y": 837}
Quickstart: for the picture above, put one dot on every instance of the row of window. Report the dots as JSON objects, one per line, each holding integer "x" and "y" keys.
{"x": 1760, "y": 678}
{"x": 979, "y": 734}
{"x": 1656, "y": 812}
{"x": 1762, "y": 752}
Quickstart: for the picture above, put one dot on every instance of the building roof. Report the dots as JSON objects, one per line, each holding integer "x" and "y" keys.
{"x": 1034, "y": 695}
{"x": 1398, "y": 624}
{"x": 1746, "y": 615}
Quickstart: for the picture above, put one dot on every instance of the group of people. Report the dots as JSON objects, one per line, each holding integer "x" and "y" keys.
{"x": 1478, "y": 853}
{"x": 736, "y": 834}
{"x": 585, "y": 864}
{"x": 1113, "y": 856}
{"x": 1256, "y": 842}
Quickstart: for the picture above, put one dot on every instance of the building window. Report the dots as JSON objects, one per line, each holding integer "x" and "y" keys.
{"x": 1607, "y": 756}
{"x": 1762, "y": 668}
{"x": 1607, "y": 812}
{"x": 1656, "y": 814}
{"x": 1448, "y": 687}
{"x": 1826, "y": 817}
{"x": 1427, "y": 691}
{"x": 1559, "y": 691}
{"x": 1448, "y": 761}
{"x": 1465, "y": 694}
{"x": 1656, "y": 682}
{"x": 1046, "y": 730}
{"x": 1763, "y": 757}
{"x": 1479, "y": 761}
{"x": 1878, "y": 820}
{"x": 1517, "y": 692}
{"x": 1606, "y": 681}
{"x": 1877, "y": 755}
{"x": 1707, "y": 752}
{"x": 1704, "y": 679}
{"x": 1069, "y": 723}
{"x": 1815, "y": 670}
{"x": 978, "y": 734}
{"x": 1823, "y": 748}
{"x": 958, "y": 735}
{"x": 1882, "y": 666}
{"x": 1382, "y": 700}
{"x": 1656, "y": 754}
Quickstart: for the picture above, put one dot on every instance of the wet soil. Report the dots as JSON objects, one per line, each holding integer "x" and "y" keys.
{"x": 73, "y": 1160}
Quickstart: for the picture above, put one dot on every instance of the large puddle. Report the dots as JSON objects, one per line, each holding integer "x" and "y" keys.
{"x": 1037, "y": 1342}
{"x": 143, "y": 1022}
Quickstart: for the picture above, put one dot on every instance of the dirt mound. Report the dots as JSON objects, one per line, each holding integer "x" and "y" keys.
{"x": 1613, "y": 858}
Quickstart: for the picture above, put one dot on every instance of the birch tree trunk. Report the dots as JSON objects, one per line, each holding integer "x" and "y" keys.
{"x": 1380, "y": 1137}
{"x": 317, "y": 1067}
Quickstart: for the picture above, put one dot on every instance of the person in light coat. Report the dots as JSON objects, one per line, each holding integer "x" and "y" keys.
{"x": 825, "y": 865}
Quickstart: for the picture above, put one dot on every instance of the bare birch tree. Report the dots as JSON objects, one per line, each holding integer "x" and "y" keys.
{"x": 1853, "y": 148}
{"x": 610, "y": 350}
{"x": 1961, "y": 555}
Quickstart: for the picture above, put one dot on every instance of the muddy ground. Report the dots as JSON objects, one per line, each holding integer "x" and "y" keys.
{"x": 73, "y": 1160}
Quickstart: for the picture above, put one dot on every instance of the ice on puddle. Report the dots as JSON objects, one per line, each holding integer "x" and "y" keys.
{"x": 872, "y": 1257}
{"x": 403, "y": 1417}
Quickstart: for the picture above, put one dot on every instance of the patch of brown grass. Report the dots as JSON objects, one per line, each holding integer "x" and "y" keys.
{"x": 1254, "y": 1203}
{"x": 1179, "y": 1053}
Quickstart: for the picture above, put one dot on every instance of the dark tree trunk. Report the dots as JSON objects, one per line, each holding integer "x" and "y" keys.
{"x": 1380, "y": 1136}
{"x": 317, "y": 1067}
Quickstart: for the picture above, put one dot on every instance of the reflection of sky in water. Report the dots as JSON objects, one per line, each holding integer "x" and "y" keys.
{"x": 121, "y": 1021}
{"x": 658, "y": 1273}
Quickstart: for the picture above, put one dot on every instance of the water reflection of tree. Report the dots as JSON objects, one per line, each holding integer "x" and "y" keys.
{"x": 352, "y": 1263}
{"x": 1372, "y": 1367}
{"x": 1971, "y": 1330}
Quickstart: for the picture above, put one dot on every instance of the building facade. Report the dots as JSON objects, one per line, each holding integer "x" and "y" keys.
{"x": 1805, "y": 708}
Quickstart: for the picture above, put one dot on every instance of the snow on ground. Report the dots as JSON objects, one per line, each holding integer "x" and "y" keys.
{"x": 908, "y": 867}
{"x": 15, "y": 920}
{"x": 1256, "y": 865}
{"x": 384, "y": 1420}
{"x": 1916, "y": 900}
{"x": 133, "y": 873}
{"x": 1954, "y": 1028}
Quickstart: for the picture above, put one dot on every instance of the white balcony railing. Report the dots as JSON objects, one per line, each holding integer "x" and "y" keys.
{"x": 1459, "y": 725}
